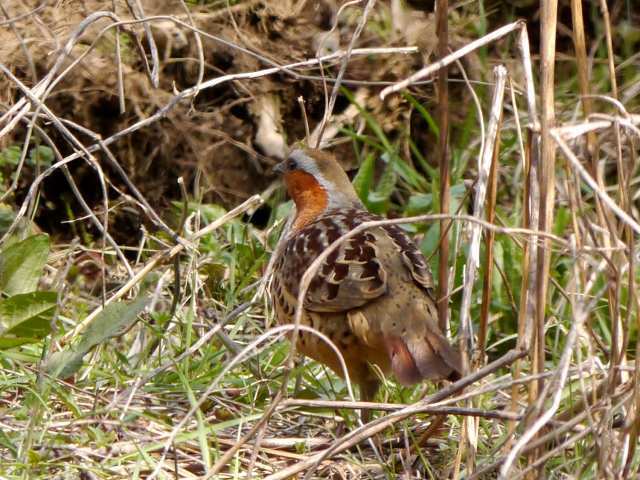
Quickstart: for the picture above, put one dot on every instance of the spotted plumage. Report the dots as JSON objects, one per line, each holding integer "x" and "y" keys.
{"x": 373, "y": 295}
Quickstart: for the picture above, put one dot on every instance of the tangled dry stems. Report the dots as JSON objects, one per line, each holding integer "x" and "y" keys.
{"x": 32, "y": 108}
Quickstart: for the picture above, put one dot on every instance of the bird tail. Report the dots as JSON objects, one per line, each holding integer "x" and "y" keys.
{"x": 419, "y": 357}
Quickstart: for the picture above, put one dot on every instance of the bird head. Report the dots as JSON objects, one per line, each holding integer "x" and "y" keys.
{"x": 316, "y": 182}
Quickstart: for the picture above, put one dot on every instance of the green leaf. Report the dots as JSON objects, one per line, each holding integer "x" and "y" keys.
{"x": 458, "y": 192}
{"x": 387, "y": 183}
{"x": 409, "y": 174}
{"x": 378, "y": 199}
{"x": 431, "y": 240}
{"x": 424, "y": 113}
{"x": 371, "y": 121}
{"x": 363, "y": 180}
{"x": 65, "y": 363}
{"x": 6, "y": 217}
{"x": 6, "y": 442}
{"x": 561, "y": 220}
{"x": 498, "y": 258}
{"x": 10, "y": 155}
{"x": 431, "y": 171}
{"x": 42, "y": 155}
{"x": 113, "y": 321}
{"x": 283, "y": 210}
{"x": 21, "y": 264}
{"x": 26, "y": 318}
{"x": 418, "y": 204}
{"x": 209, "y": 211}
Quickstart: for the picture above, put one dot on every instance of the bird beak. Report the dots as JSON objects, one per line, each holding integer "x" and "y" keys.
{"x": 279, "y": 168}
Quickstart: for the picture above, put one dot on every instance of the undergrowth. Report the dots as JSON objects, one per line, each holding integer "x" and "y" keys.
{"x": 151, "y": 353}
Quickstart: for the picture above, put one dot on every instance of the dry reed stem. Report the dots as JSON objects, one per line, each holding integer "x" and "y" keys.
{"x": 473, "y": 260}
{"x": 525, "y": 155}
{"x": 391, "y": 407}
{"x": 556, "y": 386}
{"x": 580, "y": 46}
{"x": 548, "y": 26}
{"x": 135, "y": 7}
{"x": 485, "y": 160}
{"x": 442, "y": 31}
{"x": 490, "y": 237}
{"x": 497, "y": 34}
{"x": 620, "y": 330}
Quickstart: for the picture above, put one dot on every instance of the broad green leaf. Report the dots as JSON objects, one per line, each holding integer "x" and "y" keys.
{"x": 419, "y": 203}
{"x": 113, "y": 321}
{"x": 8, "y": 342}
{"x": 65, "y": 363}
{"x": 26, "y": 318}
{"x": 7, "y": 216}
{"x": 21, "y": 264}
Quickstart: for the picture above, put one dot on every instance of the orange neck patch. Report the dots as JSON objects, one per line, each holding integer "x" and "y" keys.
{"x": 310, "y": 198}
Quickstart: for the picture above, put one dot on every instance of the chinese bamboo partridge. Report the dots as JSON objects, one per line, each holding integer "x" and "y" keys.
{"x": 373, "y": 295}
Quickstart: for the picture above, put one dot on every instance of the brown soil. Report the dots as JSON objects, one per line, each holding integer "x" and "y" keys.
{"x": 213, "y": 132}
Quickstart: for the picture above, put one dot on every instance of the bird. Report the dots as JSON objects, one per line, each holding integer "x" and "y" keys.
{"x": 373, "y": 296}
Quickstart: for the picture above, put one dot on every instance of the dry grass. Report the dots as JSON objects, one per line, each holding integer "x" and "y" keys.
{"x": 543, "y": 300}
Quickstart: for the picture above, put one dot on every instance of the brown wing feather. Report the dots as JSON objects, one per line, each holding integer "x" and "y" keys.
{"x": 411, "y": 257}
{"x": 352, "y": 275}
{"x": 349, "y": 278}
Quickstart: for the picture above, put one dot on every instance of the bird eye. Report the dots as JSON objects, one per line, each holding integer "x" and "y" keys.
{"x": 292, "y": 164}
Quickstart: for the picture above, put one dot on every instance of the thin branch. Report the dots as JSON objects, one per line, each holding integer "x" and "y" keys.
{"x": 343, "y": 68}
